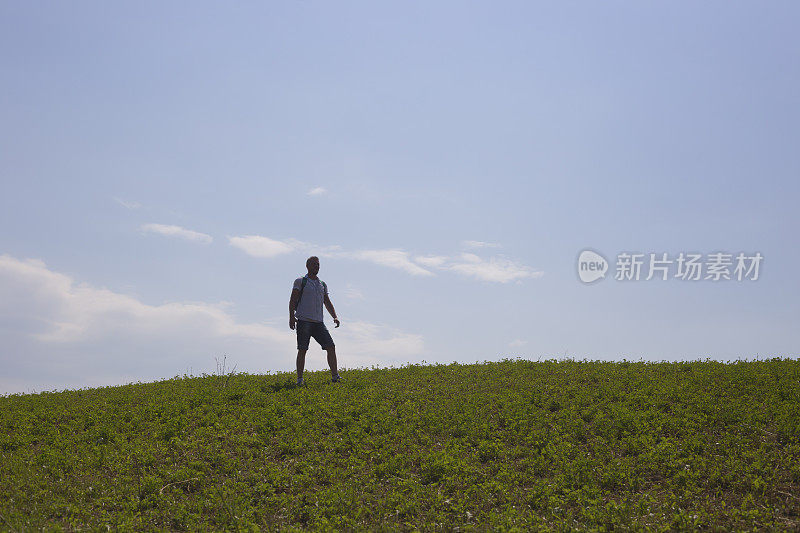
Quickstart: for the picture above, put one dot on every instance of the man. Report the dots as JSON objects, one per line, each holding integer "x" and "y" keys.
{"x": 305, "y": 312}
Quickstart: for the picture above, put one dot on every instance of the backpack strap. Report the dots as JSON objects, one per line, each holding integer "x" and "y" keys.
{"x": 302, "y": 288}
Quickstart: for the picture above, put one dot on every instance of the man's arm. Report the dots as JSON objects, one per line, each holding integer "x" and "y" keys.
{"x": 293, "y": 301}
{"x": 331, "y": 310}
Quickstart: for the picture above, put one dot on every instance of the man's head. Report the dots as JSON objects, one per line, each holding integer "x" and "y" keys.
{"x": 312, "y": 264}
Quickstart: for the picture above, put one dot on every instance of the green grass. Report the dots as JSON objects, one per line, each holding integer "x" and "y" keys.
{"x": 515, "y": 444}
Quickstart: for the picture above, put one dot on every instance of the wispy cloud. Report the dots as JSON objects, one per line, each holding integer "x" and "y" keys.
{"x": 517, "y": 343}
{"x": 127, "y": 204}
{"x": 479, "y": 244}
{"x": 391, "y": 258}
{"x": 431, "y": 260}
{"x": 259, "y": 246}
{"x": 352, "y": 293}
{"x": 177, "y": 231}
{"x": 317, "y": 191}
{"x": 495, "y": 269}
{"x": 264, "y": 247}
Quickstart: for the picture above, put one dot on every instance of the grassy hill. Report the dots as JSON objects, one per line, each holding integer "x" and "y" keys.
{"x": 532, "y": 445}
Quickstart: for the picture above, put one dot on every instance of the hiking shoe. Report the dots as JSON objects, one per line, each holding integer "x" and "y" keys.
{"x": 336, "y": 379}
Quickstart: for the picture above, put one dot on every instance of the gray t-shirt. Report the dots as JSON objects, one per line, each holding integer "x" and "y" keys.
{"x": 310, "y": 305}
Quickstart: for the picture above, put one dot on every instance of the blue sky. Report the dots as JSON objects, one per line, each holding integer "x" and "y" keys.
{"x": 167, "y": 168}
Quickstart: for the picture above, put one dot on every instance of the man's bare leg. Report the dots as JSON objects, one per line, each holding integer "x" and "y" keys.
{"x": 301, "y": 363}
{"x": 332, "y": 361}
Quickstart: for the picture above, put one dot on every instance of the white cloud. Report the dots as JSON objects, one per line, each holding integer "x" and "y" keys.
{"x": 469, "y": 258}
{"x": 264, "y": 247}
{"x": 496, "y": 269}
{"x": 74, "y": 335}
{"x": 317, "y": 191}
{"x": 430, "y": 260}
{"x": 391, "y": 258}
{"x": 177, "y": 231}
{"x": 479, "y": 244}
{"x": 259, "y": 246}
{"x": 66, "y": 312}
{"x": 128, "y": 205}
{"x": 352, "y": 293}
{"x": 517, "y": 343}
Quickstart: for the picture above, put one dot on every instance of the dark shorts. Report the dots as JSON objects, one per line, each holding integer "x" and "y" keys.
{"x": 306, "y": 330}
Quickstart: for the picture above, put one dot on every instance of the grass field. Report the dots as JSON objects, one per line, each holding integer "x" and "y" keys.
{"x": 515, "y": 444}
